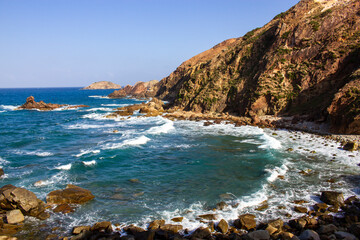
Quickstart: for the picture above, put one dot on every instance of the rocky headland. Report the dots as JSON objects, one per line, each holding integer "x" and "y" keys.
{"x": 102, "y": 85}
{"x": 30, "y": 104}
{"x": 305, "y": 62}
{"x": 139, "y": 90}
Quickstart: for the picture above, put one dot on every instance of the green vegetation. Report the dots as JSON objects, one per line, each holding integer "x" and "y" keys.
{"x": 286, "y": 35}
{"x": 315, "y": 25}
{"x": 282, "y": 51}
{"x": 323, "y": 14}
{"x": 280, "y": 15}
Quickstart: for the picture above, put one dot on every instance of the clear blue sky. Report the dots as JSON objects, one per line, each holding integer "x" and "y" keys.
{"x": 64, "y": 43}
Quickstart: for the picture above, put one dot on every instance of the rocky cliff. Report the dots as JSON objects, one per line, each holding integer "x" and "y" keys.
{"x": 139, "y": 90}
{"x": 306, "y": 61}
{"x": 102, "y": 85}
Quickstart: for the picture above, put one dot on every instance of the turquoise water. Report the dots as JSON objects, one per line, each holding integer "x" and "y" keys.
{"x": 182, "y": 167}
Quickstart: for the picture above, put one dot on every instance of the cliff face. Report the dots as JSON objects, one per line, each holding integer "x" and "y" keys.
{"x": 139, "y": 90}
{"x": 102, "y": 85}
{"x": 305, "y": 61}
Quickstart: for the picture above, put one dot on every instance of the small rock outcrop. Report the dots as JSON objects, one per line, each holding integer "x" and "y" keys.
{"x": 139, "y": 90}
{"x": 71, "y": 194}
{"x": 30, "y": 104}
{"x": 102, "y": 85}
{"x": 118, "y": 94}
{"x": 12, "y": 198}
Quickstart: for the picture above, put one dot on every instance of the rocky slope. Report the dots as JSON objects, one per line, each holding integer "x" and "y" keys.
{"x": 102, "y": 85}
{"x": 306, "y": 61}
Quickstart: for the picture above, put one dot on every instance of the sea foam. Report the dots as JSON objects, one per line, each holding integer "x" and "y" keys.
{"x": 128, "y": 142}
{"x": 34, "y": 153}
{"x": 64, "y": 167}
{"x": 165, "y": 128}
{"x": 84, "y": 152}
{"x": 89, "y": 163}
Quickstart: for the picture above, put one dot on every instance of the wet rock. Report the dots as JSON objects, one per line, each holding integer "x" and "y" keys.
{"x": 14, "y": 216}
{"x": 300, "y": 209}
{"x": 309, "y": 235}
{"x": 208, "y": 123}
{"x": 274, "y": 226}
{"x": 355, "y": 229}
{"x": 102, "y": 227}
{"x": 71, "y": 194}
{"x": 245, "y": 221}
{"x": 31, "y": 104}
{"x": 211, "y": 226}
{"x": 171, "y": 228}
{"x": 177, "y": 219}
{"x": 258, "y": 235}
{"x": 208, "y": 216}
{"x": 201, "y": 233}
{"x": 327, "y": 229}
{"x": 222, "y": 226}
{"x": 287, "y": 236}
{"x": 332, "y": 198}
{"x": 156, "y": 224}
{"x": 12, "y": 197}
{"x": 221, "y": 205}
{"x": 1, "y": 172}
{"x": 345, "y": 236}
{"x": 351, "y": 199}
{"x": 351, "y": 146}
{"x": 320, "y": 207}
{"x": 300, "y": 202}
{"x": 77, "y": 230}
{"x": 298, "y": 224}
{"x": 263, "y": 206}
{"x": 64, "y": 208}
{"x": 133, "y": 229}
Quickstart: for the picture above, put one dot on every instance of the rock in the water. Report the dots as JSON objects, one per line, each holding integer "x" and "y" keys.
{"x": 309, "y": 235}
{"x": 177, "y": 219}
{"x": 222, "y": 226}
{"x": 245, "y": 221}
{"x": 332, "y": 198}
{"x": 14, "y": 216}
{"x": 208, "y": 216}
{"x": 351, "y": 146}
{"x": 156, "y": 224}
{"x": 221, "y": 205}
{"x": 31, "y": 104}
{"x": 12, "y": 197}
{"x": 171, "y": 228}
{"x": 71, "y": 194}
{"x": 300, "y": 209}
{"x": 64, "y": 208}
{"x": 102, "y": 227}
{"x": 1, "y": 172}
{"x": 258, "y": 235}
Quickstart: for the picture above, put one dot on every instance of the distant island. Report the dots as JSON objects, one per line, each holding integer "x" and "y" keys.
{"x": 102, "y": 85}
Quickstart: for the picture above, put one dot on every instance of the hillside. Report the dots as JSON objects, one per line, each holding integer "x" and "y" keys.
{"x": 102, "y": 85}
{"x": 306, "y": 62}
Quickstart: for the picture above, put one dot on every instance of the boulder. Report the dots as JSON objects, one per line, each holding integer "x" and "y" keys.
{"x": 332, "y": 198}
{"x": 31, "y": 104}
{"x": 351, "y": 146}
{"x": 102, "y": 227}
{"x": 177, "y": 219}
{"x": 201, "y": 233}
{"x": 1, "y": 172}
{"x": 327, "y": 229}
{"x": 156, "y": 224}
{"x": 208, "y": 216}
{"x": 118, "y": 94}
{"x": 300, "y": 209}
{"x": 309, "y": 235}
{"x": 14, "y": 216}
{"x": 132, "y": 229}
{"x": 222, "y": 226}
{"x": 221, "y": 205}
{"x": 258, "y": 235}
{"x": 71, "y": 194}
{"x": 345, "y": 236}
{"x": 245, "y": 221}
{"x": 320, "y": 207}
{"x": 12, "y": 197}
{"x": 171, "y": 228}
{"x": 77, "y": 230}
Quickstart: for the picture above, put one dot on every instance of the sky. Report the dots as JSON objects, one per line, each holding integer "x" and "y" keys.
{"x": 73, "y": 43}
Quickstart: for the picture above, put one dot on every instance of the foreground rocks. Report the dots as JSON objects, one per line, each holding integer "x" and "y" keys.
{"x": 30, "y": 104}
{"x": 150, "y": 109}
{"x": 315, "y": 224}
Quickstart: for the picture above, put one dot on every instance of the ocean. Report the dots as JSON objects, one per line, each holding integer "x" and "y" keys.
{"x": 141, "y": 169}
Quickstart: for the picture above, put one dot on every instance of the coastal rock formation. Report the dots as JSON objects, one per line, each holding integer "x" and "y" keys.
{"x": 303, "y": 62}
{"x": 30, "y": 104}
{"x": 139, "y": 90}
{"x": 150, "y": 109}
{"x": 102, "y": 85}
{"x": 12, "y": 198}
{"x": 71, "y": 194}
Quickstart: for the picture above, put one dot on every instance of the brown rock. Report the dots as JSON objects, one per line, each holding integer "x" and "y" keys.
{"x": 208, "y": 216}
{"x": 71, "y": 194}
{"x": 64, "y": 208}
{"x": 102, "y": 227}
{"x": 320, "y": 207}
{"x": 102, "y": 85}
{"x": 14, "y": 216}
{"x": 351, "y": 146}
{"x": 245, "y": 221}
{"x": 201, "y": 233}
{"x": 300, "y": 201}
{"x": 1, "y": 172}
{"x": 300, "y": 209}
{"x": 221, "y": 205}
{"x": 31, "y": 104}
{"x": 118, "y": 94}
{"x": 222, "y": 226}
{"x": 177, "y": 219}
{"x": 156, "y": 224}
{"x": 133, "y": 229}
{"x": 171, "y": 228}
{"x": 12, "y": 197}
{"x": 77, "y": 230}
{"x": 332, "y": 198}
